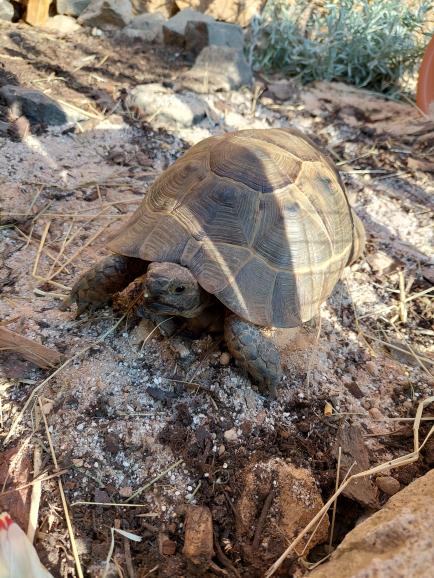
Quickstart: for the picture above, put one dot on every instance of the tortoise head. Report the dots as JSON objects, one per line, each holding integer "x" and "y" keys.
{"x": 170, "y": 289}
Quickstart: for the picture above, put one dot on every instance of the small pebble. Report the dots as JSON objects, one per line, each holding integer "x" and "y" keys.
{"x": 126, "y": 491}
{"x": 181, "y": 349}
{"x": 388, "y": 485}
{"x": 225, "y": 358}
{"x": 375, "y": 413}
{"x": 371, "y": 367}
{"x": 231, "y": 435}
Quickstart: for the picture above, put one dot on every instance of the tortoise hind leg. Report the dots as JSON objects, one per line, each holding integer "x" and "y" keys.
{"x": 97, "y": 285}
{"x": 253, "y": 351}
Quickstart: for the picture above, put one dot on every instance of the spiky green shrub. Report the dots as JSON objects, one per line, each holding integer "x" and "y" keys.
{"x": 368, "y": 43}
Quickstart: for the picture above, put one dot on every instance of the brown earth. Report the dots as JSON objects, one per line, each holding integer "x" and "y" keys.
{"x": 129, "y": 408}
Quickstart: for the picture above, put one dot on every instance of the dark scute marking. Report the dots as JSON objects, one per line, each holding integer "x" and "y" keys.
{"x": 254, "y": 162}
{"x": 214, "y": 265}
{"x": 273, "y": 238}
{"x": 285, "y": 301}
{"x": 249, "y": 295}
{"x": 290, "y": 140}
{"x": 169, "y": 190}
{"x": 220, "y": 211}
{"x": 318, "y": 184}
{"x": 166, "y": 242}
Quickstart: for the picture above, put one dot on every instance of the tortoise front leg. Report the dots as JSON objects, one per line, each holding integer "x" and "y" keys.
{"x": 253, "y": 351}
{"x": 97, "y": 285}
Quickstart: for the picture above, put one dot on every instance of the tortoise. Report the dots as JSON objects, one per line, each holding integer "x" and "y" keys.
{"x": 255, "y": 221}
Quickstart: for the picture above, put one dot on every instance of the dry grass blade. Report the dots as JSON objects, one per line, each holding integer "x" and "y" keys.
{"x": 80, "y": 110}
{"x": 153, "y": 331}
{"x": 41, "y": 478}
{"x": 36, "y": 495}
{"x": 35, "y": 198}
{"x": 338, "y": 471}
{"x": 108, "y": 504}
{"x": 63, "y": 498}
{"x": 41, "y": 246}
{"x": 40, "y": 355}
{"x": 77, "y": 253}
{"x": 401, "y": 349}
{"x": 62, "y": 249}
{"x": 29, "y": 240}
{"x": 402, "y": 307}
{"x": 50, "y": 294}
{"x": 397, "y": 462}
{"x": 152, "y": 482}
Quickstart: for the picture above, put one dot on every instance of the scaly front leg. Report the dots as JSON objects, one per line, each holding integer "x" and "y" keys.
{"x": 254, "y": 351}
{"x": 97, "y": 285}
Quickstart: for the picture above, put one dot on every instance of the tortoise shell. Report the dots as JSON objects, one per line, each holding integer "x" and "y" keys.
{"x": 261, "y": 219}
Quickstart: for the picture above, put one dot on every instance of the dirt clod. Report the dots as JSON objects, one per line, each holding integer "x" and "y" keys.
{"x": 388, "y": 485}
{"x": 198, "y": 537}
{"x": 279, "y": 499}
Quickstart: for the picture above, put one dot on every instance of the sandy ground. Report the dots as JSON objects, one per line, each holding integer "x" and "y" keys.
{"x": 131, "y": 407}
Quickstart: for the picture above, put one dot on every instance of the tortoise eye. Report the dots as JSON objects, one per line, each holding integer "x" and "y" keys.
{"x": 179, "y": 289}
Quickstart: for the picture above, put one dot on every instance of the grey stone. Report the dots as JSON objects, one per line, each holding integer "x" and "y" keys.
{"x": 166, "y": 107}
{"x": 144, "y": 21}
{"x": 6, "y": 10}
{"x": 37, "y": 107}
{"x": 199, "y": 34}
{"x": 72, "y": 7}
{"x": 174, "y": 29}
{"x": 62, "y": 24}
{"x": 107, "y": 14}
{"x": 145, "y": 27}
{"x": 217, "y": 68}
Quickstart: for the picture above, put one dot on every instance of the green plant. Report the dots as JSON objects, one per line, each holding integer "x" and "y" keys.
{"x": 368, "y": 43}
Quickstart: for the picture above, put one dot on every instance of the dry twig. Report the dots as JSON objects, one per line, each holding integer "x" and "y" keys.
{"x": 32, "y": 351}
{"x": 63, "y": 498}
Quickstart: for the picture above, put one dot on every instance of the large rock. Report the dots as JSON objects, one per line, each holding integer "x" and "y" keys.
{"x": 144, "y": 27}
{"x": 72, "y": 7}
{"x": 6, "y": 10}
{"x": 167, "y": 7}
{"x": 199, "y": 34}
{"x": 107, "y": 14}
{"x": 293, "y": 500}
{"x": 396, "y": 542}
{"x": 37, "y": 107}
{"x": 166, "y": 107}
{"x": 239, "y": 11}
{"x": 217, "y": 68}
{"x": 174, "y": 29}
